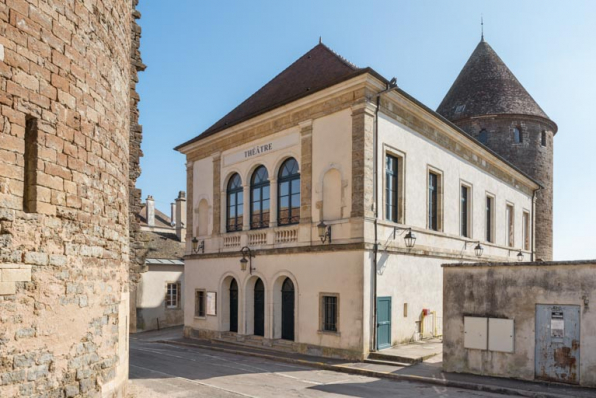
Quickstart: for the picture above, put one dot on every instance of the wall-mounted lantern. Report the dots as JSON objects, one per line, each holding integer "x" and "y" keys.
{"x": 520, "y": 256}
{"x": 196, "y": 246}
{"x": 324, "y": 231}
{"x": 409, "y": 239}
{"x": 246, "y": 260}
{"x": 478, "y": 250}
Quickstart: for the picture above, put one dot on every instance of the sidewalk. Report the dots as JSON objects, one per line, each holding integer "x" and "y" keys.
{"x": 426, "y": 372}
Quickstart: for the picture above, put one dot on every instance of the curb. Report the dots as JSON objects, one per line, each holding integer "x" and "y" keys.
{"x": 381, "y": 375}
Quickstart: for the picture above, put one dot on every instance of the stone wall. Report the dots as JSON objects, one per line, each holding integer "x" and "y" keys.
{"x": 65, "y": 77}
{"x": 513, "y": 291}
{"x": 531, "y": 157}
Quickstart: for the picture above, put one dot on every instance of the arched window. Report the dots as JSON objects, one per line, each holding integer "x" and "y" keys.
{"x": 234, "y": 204}
{"x": 483, "y": 136}
{"x": 259, "y": 198}
{"x": 288, "y": 193}
{"x": 517, "y": 135}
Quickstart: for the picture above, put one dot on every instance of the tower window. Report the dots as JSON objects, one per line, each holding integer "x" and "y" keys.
{"x": 31, "y": 155}
{"x": 517, "y": 135}
{"x": 543, "y": 138}
{"x": 483, "y": 136}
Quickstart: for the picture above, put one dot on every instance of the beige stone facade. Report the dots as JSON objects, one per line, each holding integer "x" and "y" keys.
{"x": 334, "y": 135}
{"x": 65, "y": 77}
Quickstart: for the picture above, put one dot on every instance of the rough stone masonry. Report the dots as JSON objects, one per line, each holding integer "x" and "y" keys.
{"x": 68, "y": 162}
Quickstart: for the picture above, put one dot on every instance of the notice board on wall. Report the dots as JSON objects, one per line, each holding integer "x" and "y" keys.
{"x": 211, "y": 303}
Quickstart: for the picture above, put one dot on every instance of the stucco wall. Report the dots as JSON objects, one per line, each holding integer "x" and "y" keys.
{"x": 311, "y": 273}
{"x": 512, "y": 291}
{"x": 151, "y": 292}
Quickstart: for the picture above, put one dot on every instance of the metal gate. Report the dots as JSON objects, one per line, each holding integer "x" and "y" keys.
{"x": 557, "y": 343}
{"x": 383, "y": 322}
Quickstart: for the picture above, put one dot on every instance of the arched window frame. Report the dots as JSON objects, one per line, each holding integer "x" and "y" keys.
{"x": 235, "y": 202}
{"x": 292, "y": 181}
{"x": 260, "y": 198}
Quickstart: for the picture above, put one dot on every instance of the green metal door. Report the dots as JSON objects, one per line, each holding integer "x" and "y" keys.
{"x": 383, "y": 322}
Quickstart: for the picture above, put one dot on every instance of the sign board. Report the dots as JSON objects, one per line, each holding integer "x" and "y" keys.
{"x": 211, "y": 303}
{"x": 557, "y": 324}
{"x": 265, "y": 147}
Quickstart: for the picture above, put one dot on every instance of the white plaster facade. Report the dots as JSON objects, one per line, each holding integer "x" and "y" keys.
{"x": 324, "y": 140}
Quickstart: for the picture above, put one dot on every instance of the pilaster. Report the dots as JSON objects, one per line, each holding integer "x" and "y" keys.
{"x": 216, "y": 193}
{"x": 363, "y": 118}
{"x": 306, "y": 172}
{"x": 189, "y": 202}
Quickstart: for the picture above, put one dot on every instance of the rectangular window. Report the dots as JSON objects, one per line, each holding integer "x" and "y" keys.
{"x": 434, "y": 205}
{"x": 465, "y": 211}
{"x": 391, "y": 188}
{"x": 526, "y": 230}
{"x": 510, "y": 217}
{"x": 173, "y": 295}
{"x": 490, "y": 218}
{"x": 543, "y": 138}
{"x": 31, "y": 156}
{"x": 329, "y": 313}
{"x": 200, "y": 303}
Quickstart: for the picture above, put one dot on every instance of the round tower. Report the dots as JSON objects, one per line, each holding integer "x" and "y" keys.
{"x": 490, "y": 104}
{"x": 66, "y": 86}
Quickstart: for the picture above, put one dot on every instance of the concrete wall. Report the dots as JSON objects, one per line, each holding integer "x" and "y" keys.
{"x": 512, "y": 291}
{"x": 151, "y": 292}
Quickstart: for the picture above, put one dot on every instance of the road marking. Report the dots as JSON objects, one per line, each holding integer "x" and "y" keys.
{"x": 196, "y": 382}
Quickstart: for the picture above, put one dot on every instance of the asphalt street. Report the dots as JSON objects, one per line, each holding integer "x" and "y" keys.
{"x": 166, "y": 370}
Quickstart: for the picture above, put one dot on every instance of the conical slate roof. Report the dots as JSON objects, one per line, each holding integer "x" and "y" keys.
{"x": 486, "y": 86}
{"x": 316, "y": 70}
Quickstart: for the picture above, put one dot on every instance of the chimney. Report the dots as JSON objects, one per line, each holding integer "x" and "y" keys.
{"x": 181, "y": 216}
{"x": 173, "y": 214}
{"x": 150, "y": 211}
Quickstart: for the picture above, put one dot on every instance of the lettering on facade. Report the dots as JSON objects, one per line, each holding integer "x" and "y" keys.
{"x": 258, "y": 150}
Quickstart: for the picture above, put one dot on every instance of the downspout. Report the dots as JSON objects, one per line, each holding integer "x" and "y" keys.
{"x": 390, "y": 86}
{"x": 533, "y": 222}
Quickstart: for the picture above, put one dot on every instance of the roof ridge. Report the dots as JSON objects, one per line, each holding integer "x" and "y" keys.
{"x": 338, "y": 55}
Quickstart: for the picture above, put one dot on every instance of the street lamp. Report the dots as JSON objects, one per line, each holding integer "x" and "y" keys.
{"x": 246, "y": 259}
{"x": 196, "y": 247}
{"x": 478, "y": 250}
{"x": 409, "y": 239}
{"x": 324, "y": 231}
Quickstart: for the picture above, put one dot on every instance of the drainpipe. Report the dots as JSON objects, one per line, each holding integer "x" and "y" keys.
{"x": 390, "y": 86}
{"x": 534, "y": 192}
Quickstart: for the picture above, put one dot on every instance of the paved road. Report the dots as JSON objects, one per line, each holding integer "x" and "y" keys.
{"x": 164, "y": 370}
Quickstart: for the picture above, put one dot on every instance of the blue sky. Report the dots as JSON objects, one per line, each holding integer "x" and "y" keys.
{"x": 205, "y": 57}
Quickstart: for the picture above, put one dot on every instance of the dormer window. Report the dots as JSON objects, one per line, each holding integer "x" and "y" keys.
{"x": 517, "y": 135}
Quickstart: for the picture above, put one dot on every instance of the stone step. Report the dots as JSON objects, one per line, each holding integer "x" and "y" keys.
{"x": 395, "y": 358}
{"x": 389, "y": 363}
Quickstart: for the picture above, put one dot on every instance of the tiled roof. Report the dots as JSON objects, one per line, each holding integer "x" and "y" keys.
{"x": 318, "y": 69}
{"x": 486, "y": 86}
{"x": 164, "y": 246}
{"x": 161, "y": 220}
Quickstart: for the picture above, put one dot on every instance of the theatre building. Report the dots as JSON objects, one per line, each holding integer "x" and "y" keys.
{"x": 321, "y": 209}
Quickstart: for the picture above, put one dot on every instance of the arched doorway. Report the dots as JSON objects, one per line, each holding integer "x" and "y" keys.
{"x": 259, "y": 309}
{"x": 287, "y": 310}
{"x": 234, "y": 306}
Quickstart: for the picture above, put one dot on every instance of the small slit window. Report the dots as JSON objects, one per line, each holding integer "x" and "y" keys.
{"x": 483, "y": 136}
{"x": 543, "y": 138}
{"x": 517, "y": 135}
